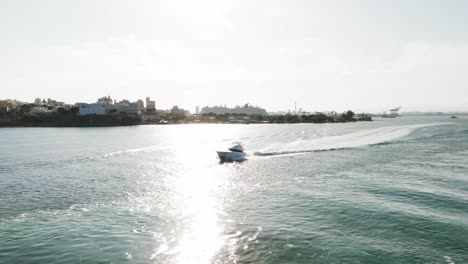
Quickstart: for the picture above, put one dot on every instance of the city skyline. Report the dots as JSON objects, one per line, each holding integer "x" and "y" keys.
{"x": 333, "y": 55}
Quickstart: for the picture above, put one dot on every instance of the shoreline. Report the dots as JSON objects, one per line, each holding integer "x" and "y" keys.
{"x": 166, "y": 124}
{"x": 70, "y": 118}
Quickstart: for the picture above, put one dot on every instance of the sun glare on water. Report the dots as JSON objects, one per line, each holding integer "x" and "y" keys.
{"x": 198, "y": 199}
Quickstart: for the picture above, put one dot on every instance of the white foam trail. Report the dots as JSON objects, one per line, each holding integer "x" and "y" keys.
{"x": 122, "y": 152}
{"x": 353, "y": 140}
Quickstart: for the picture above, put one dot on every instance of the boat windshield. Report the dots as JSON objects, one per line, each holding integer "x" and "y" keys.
{"x": 237, "y": 148}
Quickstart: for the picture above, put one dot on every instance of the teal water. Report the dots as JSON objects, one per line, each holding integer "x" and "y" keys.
{"x": 389, "y": 191}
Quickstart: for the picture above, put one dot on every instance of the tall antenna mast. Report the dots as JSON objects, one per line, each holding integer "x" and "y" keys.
{"x": 295, "y": 108}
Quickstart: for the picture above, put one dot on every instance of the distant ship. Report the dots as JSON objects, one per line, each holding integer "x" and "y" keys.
{"x": 247, "y": 109}
{"x": 394, "y": 112}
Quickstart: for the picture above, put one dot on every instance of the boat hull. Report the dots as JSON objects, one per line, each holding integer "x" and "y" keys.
{"x": 231, "y": 156}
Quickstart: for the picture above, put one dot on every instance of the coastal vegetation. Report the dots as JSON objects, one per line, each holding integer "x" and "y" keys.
{"x": 333, "y": 117}
{"x": 27, "y": 115}
{"x": 61, "y": 117}
{"x": 234, "y": 118}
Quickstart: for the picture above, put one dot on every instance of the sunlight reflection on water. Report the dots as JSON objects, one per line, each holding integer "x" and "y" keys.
{"x": 198, "y": 201}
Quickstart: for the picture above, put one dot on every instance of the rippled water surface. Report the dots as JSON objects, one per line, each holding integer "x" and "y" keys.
{"x": 389, "y": 191}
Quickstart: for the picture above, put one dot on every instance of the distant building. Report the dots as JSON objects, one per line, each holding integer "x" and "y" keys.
{"x": 51, "y": 102}
{"x": 105, "y": 105}
{"x": 38, "y": 101}
{"x": 131, "y": 109}
{"x": 150, "y": 105}
{"x": 126, "y": 107}
{"x": 91, "y": 109}
{"x": 197, "y": 110}
{"x": 246, "y": 109}
{"x": 105, "y": 101}
{"x": 39, "y": 110}
{"x": 141, "y": 104}
{"x": 10, "y": 104}
{"x": 175, "y": 109}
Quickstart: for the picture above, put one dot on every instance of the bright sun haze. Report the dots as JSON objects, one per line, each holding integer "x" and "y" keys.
{"x": 327, "y": 55}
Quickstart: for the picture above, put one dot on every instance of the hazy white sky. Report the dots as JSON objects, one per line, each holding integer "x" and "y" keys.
{"x": 326, "y": 55}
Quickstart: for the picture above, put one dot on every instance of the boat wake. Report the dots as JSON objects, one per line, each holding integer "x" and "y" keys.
{"x": 35, "y": 164}
{"x": 369, "y": 137}
{"x": 127, "y": 151}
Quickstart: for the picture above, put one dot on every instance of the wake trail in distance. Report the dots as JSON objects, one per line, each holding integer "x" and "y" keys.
{"x": 368, "y": 137}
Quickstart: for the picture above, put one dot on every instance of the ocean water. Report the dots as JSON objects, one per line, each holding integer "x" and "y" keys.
{"x": 388, "y": 191}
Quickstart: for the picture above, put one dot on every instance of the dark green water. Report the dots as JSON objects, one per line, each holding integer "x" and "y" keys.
{"x": 389, "y": 191}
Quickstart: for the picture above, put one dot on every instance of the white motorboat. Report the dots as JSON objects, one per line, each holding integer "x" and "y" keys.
{"x": 234, "y": 153}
